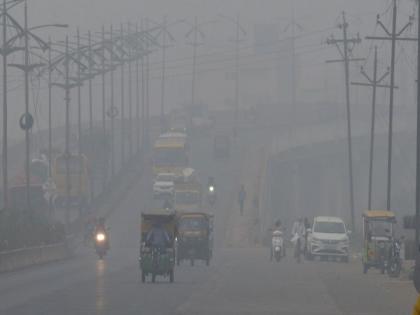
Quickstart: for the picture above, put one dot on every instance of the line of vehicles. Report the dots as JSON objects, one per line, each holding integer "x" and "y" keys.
{"x": 179, "y": 227}
{"x": 328, "y": 237}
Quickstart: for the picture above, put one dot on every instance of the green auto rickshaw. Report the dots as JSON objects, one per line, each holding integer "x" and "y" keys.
{"x": 195, "y": 239}
{"x": 157, "y": 261}
{"x": 378, "y": 234}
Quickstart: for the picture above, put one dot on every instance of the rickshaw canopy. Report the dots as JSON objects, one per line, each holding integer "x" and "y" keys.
{"x": 379, "y": 215}
{"x": 165, "y": 217}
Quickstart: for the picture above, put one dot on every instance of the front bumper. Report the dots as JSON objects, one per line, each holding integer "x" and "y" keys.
{"x": 158, "y": 191}
{"x": 339, "y": 249}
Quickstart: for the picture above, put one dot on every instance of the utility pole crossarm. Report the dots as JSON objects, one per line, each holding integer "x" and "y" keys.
{"x": 371, "y": 84}
{"x": 344, "y": 60}
{"x": 390, "y": 38}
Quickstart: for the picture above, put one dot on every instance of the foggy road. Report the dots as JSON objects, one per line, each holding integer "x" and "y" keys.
{"x": 240, "y": 279}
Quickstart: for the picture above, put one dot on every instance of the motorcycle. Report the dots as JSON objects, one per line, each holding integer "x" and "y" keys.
{"x": 394, "y": 263}
{"x": 101, "y": 244}
{"x": 277, "y": 246}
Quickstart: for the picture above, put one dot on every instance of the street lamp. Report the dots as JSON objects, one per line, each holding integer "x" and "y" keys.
{"x": 26, "y": 121}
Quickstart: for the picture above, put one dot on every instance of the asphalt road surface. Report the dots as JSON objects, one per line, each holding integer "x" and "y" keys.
{"x": 240, "y": 279}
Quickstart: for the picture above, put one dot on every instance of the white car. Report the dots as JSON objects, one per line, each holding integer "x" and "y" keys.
{"x": 163, "y": 185}
{"x": 328, "y": 237}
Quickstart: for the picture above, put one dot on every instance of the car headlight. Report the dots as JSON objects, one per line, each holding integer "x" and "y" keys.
{"x": 100, "y": 237}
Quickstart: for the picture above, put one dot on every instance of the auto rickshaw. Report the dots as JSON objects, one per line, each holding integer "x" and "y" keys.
{"x": 195, "y": 240}
{"x": 378, "y": 235}
{"x": 157, "y": 261}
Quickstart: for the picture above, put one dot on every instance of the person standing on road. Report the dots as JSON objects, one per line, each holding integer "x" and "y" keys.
{"x": 241, "y": 199}
{"x": 298, "y": 235}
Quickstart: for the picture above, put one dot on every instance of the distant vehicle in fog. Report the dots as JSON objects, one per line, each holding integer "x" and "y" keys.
{"x": 163, "y": 185}
{"x": 170, "y": 154}
{"x": 328, "y": 237}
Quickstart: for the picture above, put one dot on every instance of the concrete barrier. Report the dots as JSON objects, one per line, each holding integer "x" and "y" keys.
{"x": 26, "y": 257}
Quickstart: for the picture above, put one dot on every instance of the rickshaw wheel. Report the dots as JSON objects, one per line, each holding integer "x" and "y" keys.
{"x": 143, "y": 277}
{"x": 192, "y": 262}
{"x": 208, "y": 262}
{"x": 171, "y": 276}
{"x": 153, "y": 277}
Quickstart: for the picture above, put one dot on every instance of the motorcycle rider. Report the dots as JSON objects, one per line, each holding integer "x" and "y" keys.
{"x": 210, "y": 182}
{"x": 277, "y": 232}
{"x": 241, "y": 199}
{"x": 101, "y": 228}
{"x": 211, "y": 191}
{"x": 298, "y": 236}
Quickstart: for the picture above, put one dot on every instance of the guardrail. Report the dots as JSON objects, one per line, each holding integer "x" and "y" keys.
{"x": 25, "y": 257}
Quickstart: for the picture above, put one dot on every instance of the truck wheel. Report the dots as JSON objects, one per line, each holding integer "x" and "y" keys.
{"x": 208, "y": 261}
{"x": 153, "y": 277}
{"x": 143, "y": 277}
{"x": 192, "y": 262}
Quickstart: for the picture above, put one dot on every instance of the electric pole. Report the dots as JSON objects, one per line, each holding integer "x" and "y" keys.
{"x": 130, "y": 98}
{"x": 194, "y": 65}
{"x": 162, "y": 92}
{"x": 147, "y": 95}
{"x": 137, "y": 101}
{"x": 194, "y": 31}
{"x": 374, "y": 83}
{"x": 417, "y": 236}
{"x": 5, "y": 52}
{"x": 112, "y": 105}
{"x": 393, "y": 36}
{"x": 143, "y": 97}
{"x": 122, "y": 127}
{"x": 348, "y": 45}
{"x": 90, "y": 64}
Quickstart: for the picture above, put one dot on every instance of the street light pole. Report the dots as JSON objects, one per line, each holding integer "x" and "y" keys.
{"x": 143, "y": 98}
{"x": 417, "y": 235}
{"x": 49, "y": 122}
{"x": 194, "y": 66}
{"x": 162, "y": 104}
{"x": 137, "y": 101}
{"x": 67, "y": 138}
{"x": 122, "y": 127}
{"x": 90, "y": 85}
{"x": 112, "y": 106}
{"x": 5, "y": 137}
{"x": 27, "y": 140}
{"x": 130, "y": 100}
